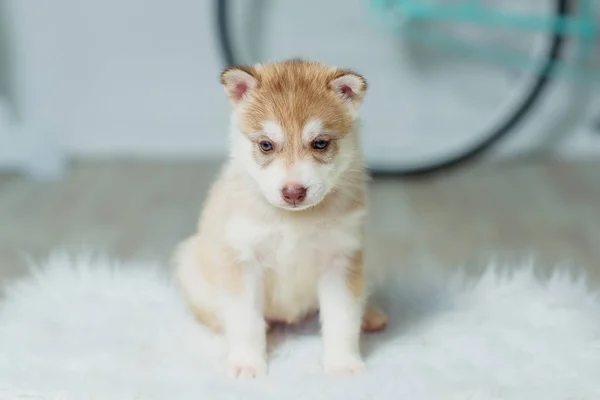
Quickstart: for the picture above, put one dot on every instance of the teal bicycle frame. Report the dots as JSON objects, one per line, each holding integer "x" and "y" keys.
{"x": 582, "y": 27}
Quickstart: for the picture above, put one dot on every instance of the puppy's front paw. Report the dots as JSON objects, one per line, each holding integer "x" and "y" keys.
{"x": 246, "y": 365}
{"x": 343, "y": 364}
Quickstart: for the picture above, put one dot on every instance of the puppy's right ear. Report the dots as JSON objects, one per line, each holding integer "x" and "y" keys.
{"x": 238, "y": 82}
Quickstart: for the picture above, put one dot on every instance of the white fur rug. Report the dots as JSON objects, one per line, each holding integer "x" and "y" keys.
{"x": 85, "y": 329}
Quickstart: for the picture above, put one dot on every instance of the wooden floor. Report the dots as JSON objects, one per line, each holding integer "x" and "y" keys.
{"x": 541, "y": 209}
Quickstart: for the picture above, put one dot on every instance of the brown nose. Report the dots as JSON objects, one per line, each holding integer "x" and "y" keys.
{"x": 293, "y": 194}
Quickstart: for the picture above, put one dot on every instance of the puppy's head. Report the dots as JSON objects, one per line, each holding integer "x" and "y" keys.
{"x": 293, "y": 127}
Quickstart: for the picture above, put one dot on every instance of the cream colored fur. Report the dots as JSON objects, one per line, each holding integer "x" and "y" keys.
{"x": 256, "y": 259}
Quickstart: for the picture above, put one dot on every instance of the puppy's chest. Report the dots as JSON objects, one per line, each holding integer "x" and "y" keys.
{"x": 292, "y": 255}
{"x": 282, "y": 245}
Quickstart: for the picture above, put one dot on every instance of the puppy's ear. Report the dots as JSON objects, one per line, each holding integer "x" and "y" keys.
{"x": 350, "y": 87}
{"x": 238, "y": 82}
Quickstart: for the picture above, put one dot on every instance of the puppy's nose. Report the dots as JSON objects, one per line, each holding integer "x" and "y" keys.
{"x": 293, "y": 194}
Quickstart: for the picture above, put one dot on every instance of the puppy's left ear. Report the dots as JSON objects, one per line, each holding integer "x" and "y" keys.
{"x": 350, "y": 87}
{"x": 239, "y": 82}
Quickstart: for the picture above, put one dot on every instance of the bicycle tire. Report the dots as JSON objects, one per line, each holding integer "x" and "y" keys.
{"x": 501, "y": 132}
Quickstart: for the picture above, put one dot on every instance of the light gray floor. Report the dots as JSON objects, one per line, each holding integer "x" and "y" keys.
{"x": 548, "y": 210}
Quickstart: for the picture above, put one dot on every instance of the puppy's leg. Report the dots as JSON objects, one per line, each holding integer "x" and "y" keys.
{"x": 244, "y": 325}
{"x": 189, "y": 260}
{"x": 341, "y": 298}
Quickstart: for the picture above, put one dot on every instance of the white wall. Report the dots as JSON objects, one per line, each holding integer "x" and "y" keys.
{"x": 141, "y": 77}
{"x": 123, "y": 75}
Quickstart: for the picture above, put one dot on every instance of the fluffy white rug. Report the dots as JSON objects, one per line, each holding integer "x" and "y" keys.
{"x": 85, "y": 329}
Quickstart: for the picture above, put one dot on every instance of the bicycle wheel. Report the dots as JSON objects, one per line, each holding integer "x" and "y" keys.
{"x": 428, "y": 109}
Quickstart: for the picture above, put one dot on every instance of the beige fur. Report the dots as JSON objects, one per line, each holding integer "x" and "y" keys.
{"x": 256, "y": 258}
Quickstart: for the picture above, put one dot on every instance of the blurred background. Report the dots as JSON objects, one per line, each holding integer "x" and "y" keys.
{"x": 113, "y": 123}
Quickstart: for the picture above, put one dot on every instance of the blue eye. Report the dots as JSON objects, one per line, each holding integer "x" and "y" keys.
{"x": 266, "y": 146}
{"x": 320, "y": 144}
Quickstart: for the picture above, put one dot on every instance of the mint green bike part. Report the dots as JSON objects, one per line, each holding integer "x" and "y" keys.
{"x": 398, "y": 15}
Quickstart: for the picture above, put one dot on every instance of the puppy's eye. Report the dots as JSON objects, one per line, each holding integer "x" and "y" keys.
{"x": 265, "y": 146}
{"x": 320, "y": 144}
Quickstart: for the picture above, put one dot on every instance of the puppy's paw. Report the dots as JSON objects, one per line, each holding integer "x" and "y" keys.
{"x": 343, "y": 364}
{"x": 246, "y": 365}
{"x": 374, "y": 320}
